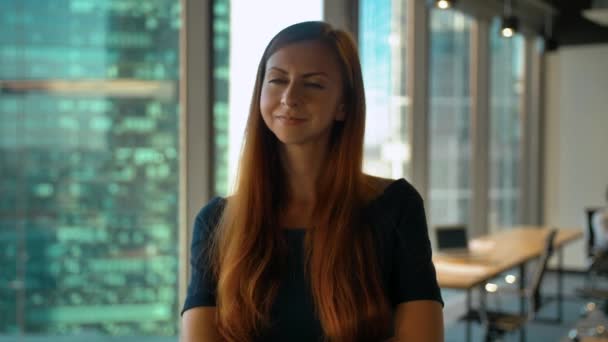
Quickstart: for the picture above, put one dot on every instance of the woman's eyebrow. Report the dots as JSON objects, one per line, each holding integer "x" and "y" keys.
{"x": 318, "y": 73}
{"x": 308, "y": 74}
{"x": 277, "y": 69}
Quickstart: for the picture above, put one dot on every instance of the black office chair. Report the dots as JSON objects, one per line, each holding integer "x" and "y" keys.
{"x": 597, "y": 259}
{"x": 597, "y": 263}
{"x": 499, "y": 323}
{"x": 589, "y": 233}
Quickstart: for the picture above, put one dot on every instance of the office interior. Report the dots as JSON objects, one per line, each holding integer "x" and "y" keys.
{"x": 120, "y": 119}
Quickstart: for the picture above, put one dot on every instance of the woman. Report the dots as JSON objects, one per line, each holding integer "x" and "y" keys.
{"x": 308, "y": 247}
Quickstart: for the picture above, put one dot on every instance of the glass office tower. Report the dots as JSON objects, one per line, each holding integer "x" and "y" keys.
{"x": 506, "y": 92}
{"x": 89, "y": 167}
{"x": 382, "y": 46}
{"x": 221, "y": 75}
{"x": 450, "y": 117}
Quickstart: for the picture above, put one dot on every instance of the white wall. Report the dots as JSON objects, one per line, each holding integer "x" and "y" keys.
{"x": 576, "y": 139}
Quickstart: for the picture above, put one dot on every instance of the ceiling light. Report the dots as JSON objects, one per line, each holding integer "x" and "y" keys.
{"x": 510, "y": 23}
{"x": 509, "y": 26}
{"x": 441, "y": 4}
{"x": 598, "y": 13}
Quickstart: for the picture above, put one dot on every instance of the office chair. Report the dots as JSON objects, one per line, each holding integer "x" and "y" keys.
{"x": 597, "y": 259}
{"x": 499, "y": 323}
{"x": 590, "y": 234}
{"x": 597, "y": 263}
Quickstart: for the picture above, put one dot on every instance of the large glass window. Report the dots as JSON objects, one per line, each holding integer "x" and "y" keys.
{"x": 241, "y": 31}
{"x": 450, "y": 123}
{"x": 506, "y": 58}
{"x": 89, "y": 168}
{"x": 382, "y": 41}
{"x": 221, "y": 59}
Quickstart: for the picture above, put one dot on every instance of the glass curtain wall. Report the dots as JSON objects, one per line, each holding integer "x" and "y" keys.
{"x": 506, "y": 91}
{"x": 450, "y": 119}
{"x": 221, "y": 74}
{"x": 89, "y": 168}
{"x": 382, "y": 46}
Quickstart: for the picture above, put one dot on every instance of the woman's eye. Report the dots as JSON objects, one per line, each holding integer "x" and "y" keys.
{"x": 314, "y": 85}
{"x": 276, "y": 81}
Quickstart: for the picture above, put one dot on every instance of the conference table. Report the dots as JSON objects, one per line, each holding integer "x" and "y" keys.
{"x": 496, "y": 253}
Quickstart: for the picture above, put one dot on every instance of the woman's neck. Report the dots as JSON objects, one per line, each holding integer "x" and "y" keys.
{"x": 302, "y": 165}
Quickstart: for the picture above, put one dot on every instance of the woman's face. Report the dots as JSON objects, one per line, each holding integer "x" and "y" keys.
{"x": 302, "y": 93}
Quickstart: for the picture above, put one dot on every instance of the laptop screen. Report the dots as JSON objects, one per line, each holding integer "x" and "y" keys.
{"x": 451, "y": 237}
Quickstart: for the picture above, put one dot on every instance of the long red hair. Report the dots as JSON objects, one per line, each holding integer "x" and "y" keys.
{"x": 248, "y": 246}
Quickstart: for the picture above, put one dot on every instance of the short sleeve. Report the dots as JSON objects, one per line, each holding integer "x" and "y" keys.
{"x": 413, "y": 274}
{"x": 202, "y": 286}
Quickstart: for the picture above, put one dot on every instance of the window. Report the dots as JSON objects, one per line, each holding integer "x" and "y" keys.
{"x": 221, "y": 60}
{"x": 506, "y": 60}
{"x": 89, "y": 164}
{"x": 450, "y": 103}
{"x": 383, "y": 58}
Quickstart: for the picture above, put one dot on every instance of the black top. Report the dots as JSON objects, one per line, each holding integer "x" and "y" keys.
{"x": 403, "y": 248}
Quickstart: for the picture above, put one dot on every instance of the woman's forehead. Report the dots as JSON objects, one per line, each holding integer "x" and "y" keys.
{"x": 304, "y": 57}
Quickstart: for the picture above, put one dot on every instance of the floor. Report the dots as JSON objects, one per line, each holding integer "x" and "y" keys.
{"x": 573, "y": 311}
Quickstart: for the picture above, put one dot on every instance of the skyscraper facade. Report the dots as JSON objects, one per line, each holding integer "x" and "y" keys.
{"x": 89, "y": 167}
{"x": 383, "y": 47}
{"x": 449, "y": 117}
{"x": 506, "y": 92}
{"x": 221, "y": 77}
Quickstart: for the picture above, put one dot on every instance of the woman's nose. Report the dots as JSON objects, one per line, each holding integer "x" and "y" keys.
{"x": 290, "y": 97}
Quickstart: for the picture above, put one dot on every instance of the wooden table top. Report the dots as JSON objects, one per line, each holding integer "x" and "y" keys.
{"x": 495, "y": 253}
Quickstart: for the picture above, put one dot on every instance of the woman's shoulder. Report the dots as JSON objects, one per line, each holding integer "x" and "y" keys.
{"x": 209, "y": 214}
{"x": 397, "y": 206}
{"x": 390, "y": 191}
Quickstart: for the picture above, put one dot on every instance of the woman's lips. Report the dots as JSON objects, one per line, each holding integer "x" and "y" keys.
{"x": 291, "y": 121}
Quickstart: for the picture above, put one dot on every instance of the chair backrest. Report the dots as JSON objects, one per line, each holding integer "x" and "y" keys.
{"x": 534, "y": 300}
{"x": 589, "y": 212}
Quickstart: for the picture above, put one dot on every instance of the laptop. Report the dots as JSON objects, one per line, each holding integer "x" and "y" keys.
{"x": 452, "y": 240}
